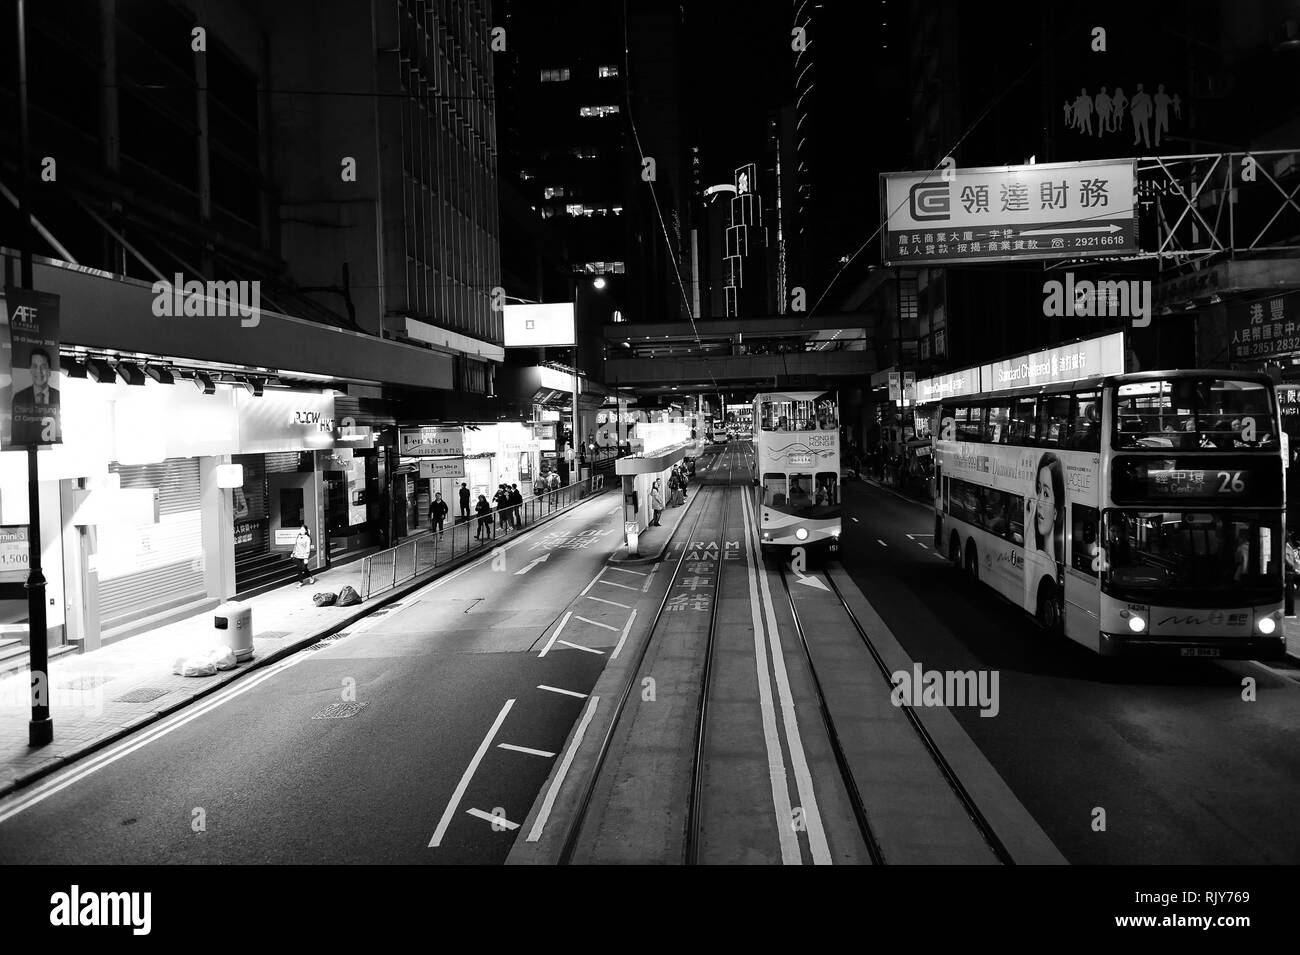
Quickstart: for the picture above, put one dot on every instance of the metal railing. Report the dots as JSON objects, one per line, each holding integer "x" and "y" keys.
{"x": 461, "y": 536}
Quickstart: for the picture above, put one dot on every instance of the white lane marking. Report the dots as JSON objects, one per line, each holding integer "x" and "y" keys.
{"x": 459, "y": 792}
{"x": 613, "y": 603}
{"x": 524, "y": 749}
{"x": 498, "y": 822}
{"x": 612, "y": 584}
{"x": 646, "y": 587}
{"x": 149, "y": 734}
{"x": 578, "y": 646}
{"x": 591, "y": 583}
{"x": 624, "y": 570}
{"x": 855, "y": 520}
{"x": 545, "y": 812}
{"x": 626, "y": 628}
{"x": 556, "y": 689}
{"x": 596, "y": 623}
{"x": 776, "y": 772}
{"x": 821, "y": 852}
{"x": 551, "y": 642}
{"x": 881, "y": 543}
{"x": 156, "y": 731}
{"x": 922, "y": 545}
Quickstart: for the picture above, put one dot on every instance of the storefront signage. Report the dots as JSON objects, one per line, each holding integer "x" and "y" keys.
{"x": 442, "y": 468}
{"x": 13, "y": 554}
{"x": 954, "y": 385}
{"x": 285, "y": 421}
{"x": 1086, "y": 359}
{"x": 1268, "y": 328}
{"x": 431, "y": 442}
{"x": 312, "y": 419}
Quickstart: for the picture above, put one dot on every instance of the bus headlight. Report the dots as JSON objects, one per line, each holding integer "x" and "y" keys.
{"x": 801, "y": 534}
{"x": 1267, "y": 625}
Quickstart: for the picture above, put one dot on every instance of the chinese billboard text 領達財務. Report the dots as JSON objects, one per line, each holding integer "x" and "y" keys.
{"x": 994, "y": 213}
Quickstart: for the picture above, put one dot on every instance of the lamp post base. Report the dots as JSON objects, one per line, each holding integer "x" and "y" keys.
{"x": 40, "y": 732}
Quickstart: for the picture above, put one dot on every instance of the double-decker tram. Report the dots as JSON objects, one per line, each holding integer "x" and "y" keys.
{"x": 1134, "y": 513}
{"x": 797, "y": 468}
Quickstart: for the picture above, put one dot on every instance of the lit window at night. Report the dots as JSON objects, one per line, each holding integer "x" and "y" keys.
{"x": 559, "y": 75}
{"x": 597, "y": 112}
{"x": 553, "y": 192}
{"x": 605, "y": 72}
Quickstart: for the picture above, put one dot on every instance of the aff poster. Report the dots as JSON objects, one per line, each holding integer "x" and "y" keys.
{"x": 29, "y": 369}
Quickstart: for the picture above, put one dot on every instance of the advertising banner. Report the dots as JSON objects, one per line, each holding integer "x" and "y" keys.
{"x": 29, "y": 370}
{"x": 431, "y": 442}
{"x": 14, "y": 552}
{"x": 442, "y": 468}
{"x": 996, "y": 213}
{"x": 1268, "y": 328}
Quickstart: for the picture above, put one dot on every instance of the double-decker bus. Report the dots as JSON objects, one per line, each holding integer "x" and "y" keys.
{"x": 797, "y": 467}
{"x": 1133, "y": 513}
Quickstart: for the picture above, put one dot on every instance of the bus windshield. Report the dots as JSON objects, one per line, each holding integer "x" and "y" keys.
{"x": 796, "y": 415}
{"x": 1194, "y": 414}
{"x": 1194, "y": 558}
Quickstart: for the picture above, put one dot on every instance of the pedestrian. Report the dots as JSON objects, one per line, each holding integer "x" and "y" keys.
{"x": 464, "y": 502}
{"x": 516, "y": 506}
{"x": 501, "y": 501}
{"x": 439, "y": 511}
{"x": 553, "y": 485}
{"x": 302, "y": 548}
{"x": 484, "y": 511}
{"x": 656, "y": 503}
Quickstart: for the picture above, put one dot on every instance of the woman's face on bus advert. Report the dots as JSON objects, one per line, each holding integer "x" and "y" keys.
{"x": 1046, "y": 510}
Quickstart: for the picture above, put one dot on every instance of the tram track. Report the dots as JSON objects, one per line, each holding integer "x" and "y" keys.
{"x": 856, "y": 796}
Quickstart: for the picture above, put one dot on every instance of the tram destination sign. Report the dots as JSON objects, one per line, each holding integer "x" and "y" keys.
{"x": 999, "y": 213}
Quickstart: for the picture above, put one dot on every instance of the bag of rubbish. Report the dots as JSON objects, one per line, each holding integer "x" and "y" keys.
{"x": 325, "y": 599}
{"x": 348, "y": 596}
{"x": 194, "y": 666}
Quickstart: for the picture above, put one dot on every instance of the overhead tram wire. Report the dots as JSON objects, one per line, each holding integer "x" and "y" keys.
{"x": 947, "y": 153}
{"x": 663, "y": 225}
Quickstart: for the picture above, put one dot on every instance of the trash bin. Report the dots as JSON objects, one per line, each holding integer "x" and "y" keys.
{"x": 235, "y": 620}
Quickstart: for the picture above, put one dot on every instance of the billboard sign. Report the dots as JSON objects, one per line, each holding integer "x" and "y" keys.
{"x": 30, "y": 393}
{"x": 1086, "y": 359}
{"x": 430, "y": 442}
{"x": 442, "y": 468}
{"x": 999, "y": 213}
{"x": 1268, "y": 328}
{"x": 895, "y": 386}
{"x": 533, "y": 326}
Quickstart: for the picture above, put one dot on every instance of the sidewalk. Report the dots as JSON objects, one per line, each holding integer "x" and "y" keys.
{"x": 654, "y": 540}
{"x": 101, "y": 696}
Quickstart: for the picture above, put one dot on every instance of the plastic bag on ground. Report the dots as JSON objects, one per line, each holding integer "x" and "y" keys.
{"x": 348, "y": 597}
{"x": 206, "y": 663}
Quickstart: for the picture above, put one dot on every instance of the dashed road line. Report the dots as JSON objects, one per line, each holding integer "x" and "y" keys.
{"x": 459, "y": 793}
{"x": 556, "y": 689}
{"x": 578, "y": 646}
{"x": 881, "y": 543}
{"x": 624, "y": 570}
{"x": 624, "y": 586}
{"x": 623, "y": 638}
{"x": 613, "y": 603}
{"x": 596, "y": 623}
{"x": 524, "y": 749}
{"x": 500, "y": 822}
{"x": 550, "y": 643}
{"x": 549, "y": 802}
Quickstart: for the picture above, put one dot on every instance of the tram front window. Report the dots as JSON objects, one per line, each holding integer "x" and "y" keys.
{"x": 801, "y": 492}
{"x": 774, "y": 490}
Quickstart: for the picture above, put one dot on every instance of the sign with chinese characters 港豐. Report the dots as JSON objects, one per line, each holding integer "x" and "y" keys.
{"x": 996, "y": 213}
{"x": 1267, "y": 328}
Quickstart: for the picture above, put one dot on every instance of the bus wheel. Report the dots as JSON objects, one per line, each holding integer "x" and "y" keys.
{"x": 972, "y": 560}
{"x": 1049, "y": 612}
{"x": 954, "y": 549}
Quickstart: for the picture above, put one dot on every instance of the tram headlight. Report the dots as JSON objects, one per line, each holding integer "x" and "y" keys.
{"x": 801, "y": 534}
{"x": 1136, "y": 623}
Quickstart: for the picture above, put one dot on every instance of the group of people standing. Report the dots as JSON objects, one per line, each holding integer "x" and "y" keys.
{"x": 678, "y": 479}
{"x": 504, "y": 509}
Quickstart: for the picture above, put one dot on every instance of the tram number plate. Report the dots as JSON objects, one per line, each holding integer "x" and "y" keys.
{"x": 1200, "y": 651}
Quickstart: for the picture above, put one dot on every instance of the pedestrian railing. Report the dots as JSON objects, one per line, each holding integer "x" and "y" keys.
{"x": 396, "y": 565}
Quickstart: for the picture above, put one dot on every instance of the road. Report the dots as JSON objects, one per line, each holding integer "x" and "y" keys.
{"x": 1184, "y": 769}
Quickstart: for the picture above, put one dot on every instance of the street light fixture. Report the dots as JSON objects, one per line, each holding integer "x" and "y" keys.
{"x": 598, "y": 282}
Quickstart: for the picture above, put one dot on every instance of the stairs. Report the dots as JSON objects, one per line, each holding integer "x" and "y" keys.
{"x": 263, "y": 572}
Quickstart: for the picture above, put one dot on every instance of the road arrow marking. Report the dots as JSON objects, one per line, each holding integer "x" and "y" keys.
{"x": 531, "y": 565}
{"x": 811, "y": 581}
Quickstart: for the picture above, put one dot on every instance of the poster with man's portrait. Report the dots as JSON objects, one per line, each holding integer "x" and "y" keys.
{"x": 29, "y": 369}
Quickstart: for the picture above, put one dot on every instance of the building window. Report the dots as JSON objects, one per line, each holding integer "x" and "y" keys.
{"x": 599, "y": 268}
{"x": 558, "y": 75}
{"x": 606, "y": 72}
{"x": 597, "y": 112}
{"x": 586, "y": 152}
{"x": 526, "y": 175}
{"x": 554, "y": 192}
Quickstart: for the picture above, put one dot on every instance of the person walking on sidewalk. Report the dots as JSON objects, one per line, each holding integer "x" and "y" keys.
{"x": 464, "y": 502}
{"x": 302, "y": 548}
{"x": 516, "y": 506}
{"x": 656, "y": 503}
{"x": 439, "y": 510}
{"x": 553, "y": 483}
{"x": 484, "y": 510}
